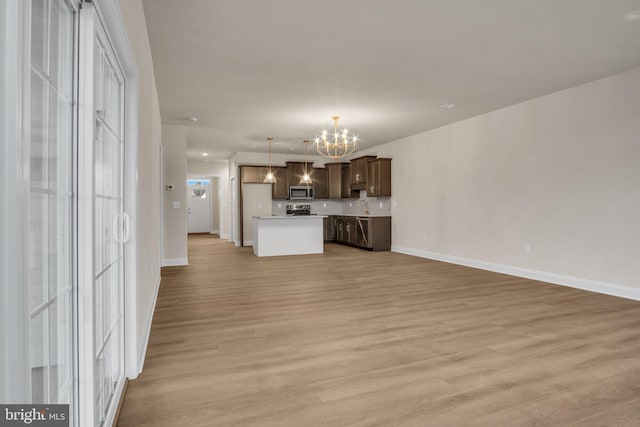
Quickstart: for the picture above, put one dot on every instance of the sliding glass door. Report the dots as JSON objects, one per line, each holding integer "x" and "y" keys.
{"x": 74, "y": 212}
{"x": 49, "y": 210}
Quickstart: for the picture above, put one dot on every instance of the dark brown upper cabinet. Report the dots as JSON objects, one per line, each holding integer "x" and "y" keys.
{"x": 280, "y": 189}
{"x": 253, "y": 174}
{"x": 295, "y": 170}
{"x": 359, "y": 172}
{"x": 379, "y": 178}
{"x": 346, "y": 191}
{"x": 320, "y": 177}
{"x": 334, "y": 176}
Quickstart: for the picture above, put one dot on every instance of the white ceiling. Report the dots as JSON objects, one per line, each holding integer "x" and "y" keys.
{"x": 248, "y": 69}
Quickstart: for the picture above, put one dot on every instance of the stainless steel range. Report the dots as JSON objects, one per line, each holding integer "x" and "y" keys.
{"x": 298, "y": 209}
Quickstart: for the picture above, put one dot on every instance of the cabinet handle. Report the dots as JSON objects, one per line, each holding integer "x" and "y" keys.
{"x": 373, "y": 189}
{"x": 357, "y": 177}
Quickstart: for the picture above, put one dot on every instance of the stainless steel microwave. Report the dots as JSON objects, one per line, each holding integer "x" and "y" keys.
{"x": 300, "y": 192}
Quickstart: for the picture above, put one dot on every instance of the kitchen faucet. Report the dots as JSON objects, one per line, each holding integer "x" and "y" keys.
{"x": 366, "y": 206}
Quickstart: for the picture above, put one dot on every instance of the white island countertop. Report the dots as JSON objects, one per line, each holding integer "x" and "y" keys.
{"x": 364, "y": 215}
{"x": 288, "y": 235}
{"x": 290, "y": 216}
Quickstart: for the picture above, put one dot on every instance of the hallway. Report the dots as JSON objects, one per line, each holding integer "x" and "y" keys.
{"x": 354, "y": 338}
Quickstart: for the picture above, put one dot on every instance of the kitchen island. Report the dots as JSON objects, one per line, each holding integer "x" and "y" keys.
{"x": 288, "y": 235}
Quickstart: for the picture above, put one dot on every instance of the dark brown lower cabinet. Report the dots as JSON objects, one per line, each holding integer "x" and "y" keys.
{"x": 366, "y": 232}
{"x": 329, "y": 229}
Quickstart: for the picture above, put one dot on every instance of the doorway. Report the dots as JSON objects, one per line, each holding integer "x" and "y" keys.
{"x": 199, "y": 205}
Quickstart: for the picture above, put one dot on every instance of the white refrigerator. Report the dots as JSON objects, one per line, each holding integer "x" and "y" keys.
{"x": 256, "y": 201}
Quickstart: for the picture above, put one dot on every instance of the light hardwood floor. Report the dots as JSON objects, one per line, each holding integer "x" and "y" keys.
{"x": 355, "y": 338}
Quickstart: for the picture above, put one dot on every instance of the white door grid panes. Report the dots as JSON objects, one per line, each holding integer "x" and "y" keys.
{"x": 49, "y": 213}
{"x": 110, "y": 226}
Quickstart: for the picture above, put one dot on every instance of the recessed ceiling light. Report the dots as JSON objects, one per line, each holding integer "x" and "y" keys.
{"x": 632, "y": 16}
{"x": 205, "y": 154}
{"x": 278, "y": 143}
{"x": 290, "y": 149}
{"x": 448, "y": 106}
{"x": 193, "y": 119}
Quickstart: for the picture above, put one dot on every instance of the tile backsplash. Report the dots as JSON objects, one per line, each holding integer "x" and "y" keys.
{"x": 377, "y": 206}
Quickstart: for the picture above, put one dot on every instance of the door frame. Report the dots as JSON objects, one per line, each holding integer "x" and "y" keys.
{"x": 14, "y": 316}
{"x": 233, "y": 211}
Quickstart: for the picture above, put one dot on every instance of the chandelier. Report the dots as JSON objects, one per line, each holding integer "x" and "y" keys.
{"x": 338, "y": 145}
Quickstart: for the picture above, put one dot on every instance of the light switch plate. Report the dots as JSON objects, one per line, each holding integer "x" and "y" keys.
{"x": 176, "y": 205}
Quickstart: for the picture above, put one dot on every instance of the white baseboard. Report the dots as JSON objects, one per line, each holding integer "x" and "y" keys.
{"x": 173, "y": 262}
{"x": 214, "y": 232}
{"x": 248, "y": 243}
{"x": 143, "y": 351}
{"x": 557, "y": 279}
{"x": 224, "y": 236}
{"x": 236, "y": 242}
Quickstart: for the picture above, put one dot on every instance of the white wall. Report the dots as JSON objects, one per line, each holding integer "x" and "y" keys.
{"x": 219, "y": 170}
{"x": 560, "y": 173}
{"x": 147, "y": 221}
{"x": 215, "y": 199}
{"x": 174, "y": 172}
{"x": 234, "y": 203}
{"x": 277, "y": 159}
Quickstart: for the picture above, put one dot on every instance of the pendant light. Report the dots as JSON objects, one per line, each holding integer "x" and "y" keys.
{"x": 270, "y": 178}
{"x": 306, "y": 178}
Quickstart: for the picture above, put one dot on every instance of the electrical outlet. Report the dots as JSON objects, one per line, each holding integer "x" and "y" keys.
{"x": 350, "y": 204}
{"x": 526, "y": 248}
{"x": 324, "y": 204}
{"x": 279, "y": 205}
{"x": 380, "y": 205}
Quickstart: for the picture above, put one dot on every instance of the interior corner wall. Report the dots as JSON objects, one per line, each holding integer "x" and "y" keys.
{"x": 147, "y": 222}
{"x": 215, "y": 196}
{"x": 234, "y": 202}
{"x": 559, "y": 173}
{"x": 174, "y": 173}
